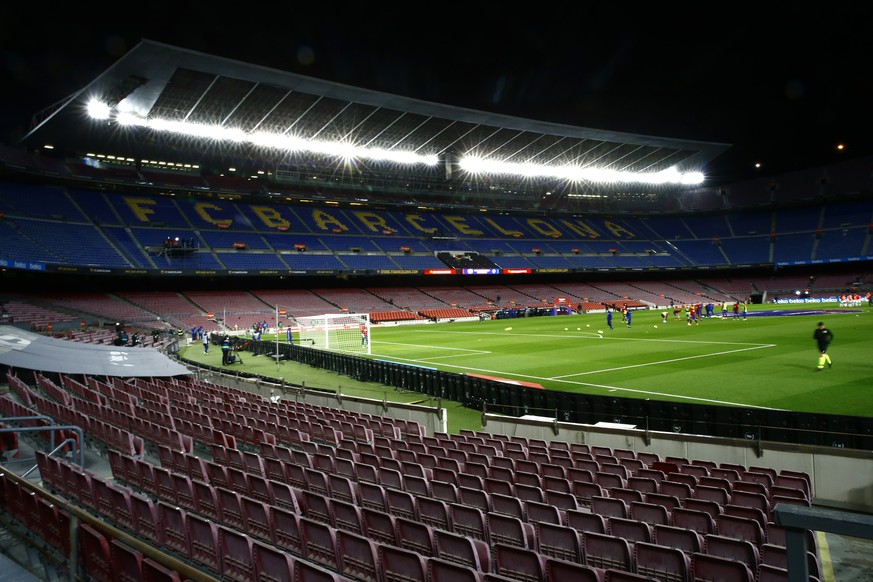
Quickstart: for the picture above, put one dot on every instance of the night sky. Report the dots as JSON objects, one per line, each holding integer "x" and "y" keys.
{"x": 783, "y": 87}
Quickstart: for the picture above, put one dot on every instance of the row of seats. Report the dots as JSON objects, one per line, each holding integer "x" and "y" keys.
{"x": 175, "y": 396}
{"x": 104, "y": 558}
{"x": 307, "y": 550}
{"x": 495, "y": 474}
{"x": 554, "y": 475}
{"x": 245, "y": 427}
{"x": 375, "y": 491}
{"x": 446, "y": 313}
{"x": 127, "y": 431}
{"x": 82, "y": 241}
{"x": 11, "y": 408}
{"x": 574, "y": 455}
{"x": 383, "y": 316}
{"x": 386, "y": 490}
{"x": 322, "y": 522}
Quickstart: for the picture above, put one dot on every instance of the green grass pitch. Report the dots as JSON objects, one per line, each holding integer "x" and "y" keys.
{"x": 766, "y": 361}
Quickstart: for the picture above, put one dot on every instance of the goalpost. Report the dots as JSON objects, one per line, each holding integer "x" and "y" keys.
{"x": 346, "y": 332}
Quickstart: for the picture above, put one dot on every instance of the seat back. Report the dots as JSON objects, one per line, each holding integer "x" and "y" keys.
{"x": 652, "y": 513}
{"x": 444, "y": 491}
{"x": 627, "y": 494}
{"x": 705, "y": 568}
{"x": 358, "y": 556}
{"x": 269, "y": 562}
{"x": 415, "y": 535}
{"x": 699, "y": 521}
{"x": 462, "y": 550}
{"x": 713, "y": 508}
{"x": 742, "y": 550}
{"x": 379, "y": 526}
{"x": 755, "y": 500}
{"x": 680, "y": 538}
{"x": 439, "y": 570}
{"x": 558, "y": 570}
{"x": 518, "y": 563}
{"x": 630, "y": 529}
{"x": 743, "y": 528}
{"x": 468, "y": 521}
{"x": 609, "y": 506}
{"x": 347, "y": 516}
{"x": 677, "y": 487}
{"x": 319, "y": 542}
{"x": 509, "y": 530}
{"x": 583, "y": 521}
{"x": 543, "y": 512}
{"x": 508, "y": 505}
{"x": 559, "y": 541}
{"x": 401, "y": 564}
{"x": 661, "y": 562}
{"x": 235, "y": 548}
{"x": 606, "y": 551}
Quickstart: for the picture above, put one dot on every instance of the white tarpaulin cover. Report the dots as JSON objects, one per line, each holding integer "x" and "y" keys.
{"x": 30, "y": 351}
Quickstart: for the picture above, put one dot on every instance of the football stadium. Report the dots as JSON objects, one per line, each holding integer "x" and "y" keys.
{"x": 260, "y": 326}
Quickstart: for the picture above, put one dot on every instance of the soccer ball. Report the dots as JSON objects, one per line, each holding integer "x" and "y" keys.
{"x": 656, "y": 327}
{"x": 508, "y": 329}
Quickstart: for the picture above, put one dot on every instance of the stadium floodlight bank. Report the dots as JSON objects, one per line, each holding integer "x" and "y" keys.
{"x": 345, "y": 332}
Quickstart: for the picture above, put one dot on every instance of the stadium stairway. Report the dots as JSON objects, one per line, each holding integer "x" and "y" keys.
{"x": 10, "y": 571}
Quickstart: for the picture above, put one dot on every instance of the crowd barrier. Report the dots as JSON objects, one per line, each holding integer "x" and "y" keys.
{"x": 494, "y": 396}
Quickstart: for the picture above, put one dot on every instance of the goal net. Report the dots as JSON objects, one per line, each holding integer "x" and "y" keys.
{"x": 346, "y": 332}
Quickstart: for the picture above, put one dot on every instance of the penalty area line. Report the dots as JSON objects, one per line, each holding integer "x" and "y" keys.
{"x": 569, "y": 381}
{"x": 679, "y": 396}
{"x": 659, "y": 362}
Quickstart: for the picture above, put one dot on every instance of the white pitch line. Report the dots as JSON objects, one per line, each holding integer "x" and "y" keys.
{"x": 466, "y": 352}
{"x": 576, "y": 334}
{"x": 756, "y": 347}
{"x": 453, "y": 356}
{"x": 604, "y": 386}
{"x": 591, "y": 334}
{"x": 434, "y": 347}
{"x": 653, "y": 393}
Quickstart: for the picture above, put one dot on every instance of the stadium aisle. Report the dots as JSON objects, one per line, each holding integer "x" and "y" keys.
{"x": 12, "y": 572}
{"x": 844, "y": 558}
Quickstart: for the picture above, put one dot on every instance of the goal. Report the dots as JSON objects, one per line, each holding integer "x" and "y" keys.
{"x": 345, "y": 332}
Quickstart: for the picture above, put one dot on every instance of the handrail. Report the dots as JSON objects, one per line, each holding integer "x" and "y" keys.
{"x": 78, "y": 451}
{"x": 798, "y": 518}
{"x": 185, "y": 569}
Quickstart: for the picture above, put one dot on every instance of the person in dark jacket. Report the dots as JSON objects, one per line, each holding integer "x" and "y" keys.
{"x": 823, "y": 337}
{"x": 225, "y": 351}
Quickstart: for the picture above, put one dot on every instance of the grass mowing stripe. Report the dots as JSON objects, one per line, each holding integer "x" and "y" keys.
{"x": 773, "y": 367}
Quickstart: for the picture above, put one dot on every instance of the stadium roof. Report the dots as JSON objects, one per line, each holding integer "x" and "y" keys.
{"x": 159, "y": 81}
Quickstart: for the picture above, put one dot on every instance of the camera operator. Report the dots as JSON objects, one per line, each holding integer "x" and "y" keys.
{"x": 225, "y": 351}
